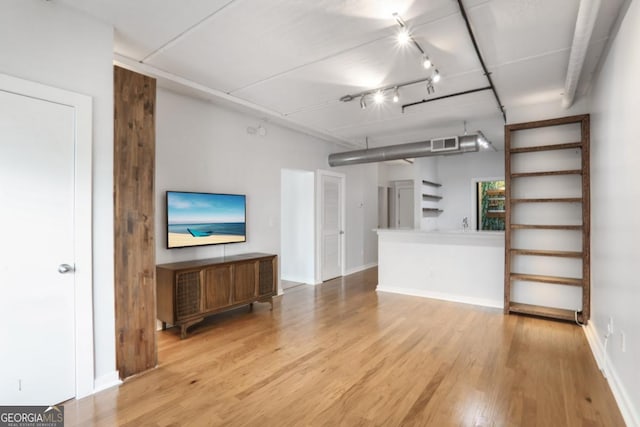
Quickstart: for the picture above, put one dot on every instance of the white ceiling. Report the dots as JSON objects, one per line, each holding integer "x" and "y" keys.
{"x": 290, "y": 61}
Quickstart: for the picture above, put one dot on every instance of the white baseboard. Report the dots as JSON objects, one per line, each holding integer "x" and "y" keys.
{"x": 441, "y": 296}
{"x": 629, "y": 413}
{"x": 106, "y": 381}
{"x": 360, "y": 268}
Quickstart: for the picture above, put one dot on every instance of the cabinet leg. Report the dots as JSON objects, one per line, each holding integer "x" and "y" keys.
{"x": 251, "y": 307}
{"x": 271, "y": 302}
{"x": 164, "y": 326}
{"x": 183, "y": 331}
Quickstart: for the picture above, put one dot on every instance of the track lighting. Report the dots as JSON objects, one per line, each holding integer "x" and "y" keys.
{"x": 430, "y": 88}
{"x": 378, "y": 97}
{"x": 380, "y": 94}
{"x": 403, "y": 37}
{"x": 426, "y": 62}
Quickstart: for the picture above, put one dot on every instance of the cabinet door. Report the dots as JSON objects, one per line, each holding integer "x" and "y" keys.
{"x": 266, "y": 284}
{"x": 187, "y": 294}
{"x": 245, "y": 277}
{"x": 217, "y": 287}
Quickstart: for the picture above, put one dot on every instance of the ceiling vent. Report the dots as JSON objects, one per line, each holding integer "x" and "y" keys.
{"x": 444, "y": 144}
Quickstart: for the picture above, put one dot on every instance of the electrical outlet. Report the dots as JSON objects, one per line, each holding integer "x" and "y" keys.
{"x": 623, "y": 342}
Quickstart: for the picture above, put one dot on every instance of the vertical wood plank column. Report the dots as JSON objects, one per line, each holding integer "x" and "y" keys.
{"x": 134, "y": 247}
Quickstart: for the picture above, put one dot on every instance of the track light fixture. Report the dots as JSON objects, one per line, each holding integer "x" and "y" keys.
{"x": 436, "y": 76}
{"x": 430, "y": 88}
{"x": 426, "y": 62}
{"x": 379, "y": 95}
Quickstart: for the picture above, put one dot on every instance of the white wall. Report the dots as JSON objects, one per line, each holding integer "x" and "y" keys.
{"x": 426, "y": 168}
{"x": 204, "y": 147}
{"x": 297, "y": 230}
{"x": 71, "y": 51}
{"x": 456, "y": 174}
{"x": 615, "y": 222}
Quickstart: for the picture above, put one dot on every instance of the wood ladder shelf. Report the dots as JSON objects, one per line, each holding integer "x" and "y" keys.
{"x": 528, "y": 202}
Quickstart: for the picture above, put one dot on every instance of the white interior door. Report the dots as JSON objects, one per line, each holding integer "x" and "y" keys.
{"x": 331, "y": 225}
{"x": 37, "y": 213}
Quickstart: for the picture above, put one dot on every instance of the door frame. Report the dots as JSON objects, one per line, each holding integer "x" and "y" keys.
{"x": 319, "y": 241}
{"x": 82, "y": 211}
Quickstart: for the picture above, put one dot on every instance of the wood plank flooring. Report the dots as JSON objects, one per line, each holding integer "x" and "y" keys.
{"x": 341, "y": 354}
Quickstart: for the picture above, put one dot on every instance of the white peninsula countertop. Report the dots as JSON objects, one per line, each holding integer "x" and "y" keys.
{"x": 454, "y": 265}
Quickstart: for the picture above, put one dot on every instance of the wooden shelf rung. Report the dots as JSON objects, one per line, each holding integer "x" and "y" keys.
{"x": 566, "y": 146}
{"x": 547, "y": 173}
{"x": 540, "y": 252}
{"x": 556, "y": 280}
{"x": 545, "y": 227}
{"x": 541, "y": 311}
{"x": 549, "y": 200}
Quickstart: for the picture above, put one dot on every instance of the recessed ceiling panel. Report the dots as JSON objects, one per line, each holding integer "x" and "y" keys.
{"x": 250, "y": 41}
{"x": 509, "y": 31}
{"x": 532, "y": 81}
{"x": 142, "y": 26}
{"x": 379, "y": 64}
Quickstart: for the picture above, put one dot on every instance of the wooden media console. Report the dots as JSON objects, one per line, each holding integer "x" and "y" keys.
{"x": 189, "y": 291}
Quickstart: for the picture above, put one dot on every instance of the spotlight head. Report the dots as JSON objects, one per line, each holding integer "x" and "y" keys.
{"x": 430, "y": 88}
{"x": 403, "y": 37}
{"x": 426, "y": 62}
{"x": 378, "y": 97}
{"x": 363, "y": 103}
{"x": 436, "y": 76}
{"x": 396, "y": 95}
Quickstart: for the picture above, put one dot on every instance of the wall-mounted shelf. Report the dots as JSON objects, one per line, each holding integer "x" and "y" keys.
{"x": 529, "y": 205}
{"x": 429, "y": 196}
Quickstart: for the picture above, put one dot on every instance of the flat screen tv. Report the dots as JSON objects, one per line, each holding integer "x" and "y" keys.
{"x": 196, "y": 219}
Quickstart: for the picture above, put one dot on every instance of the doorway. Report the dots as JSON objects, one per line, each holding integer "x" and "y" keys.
{"x": 45, "y": 263}
{"x": 402, "y": 204}
{"x": 297, "y": 227}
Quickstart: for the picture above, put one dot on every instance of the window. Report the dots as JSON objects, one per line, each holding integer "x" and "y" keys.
{"x": 490, "y": 204}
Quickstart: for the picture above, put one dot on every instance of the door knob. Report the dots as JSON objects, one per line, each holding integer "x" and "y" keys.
{"x": 65, "y": 268}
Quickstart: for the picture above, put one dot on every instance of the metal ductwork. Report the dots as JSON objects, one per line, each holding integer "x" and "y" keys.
{"x": 432, "y": 147}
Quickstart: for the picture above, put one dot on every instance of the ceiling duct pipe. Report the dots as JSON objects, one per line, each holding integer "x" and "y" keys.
{"x": 433, "y": 147}
{"x": 587, "y": 14}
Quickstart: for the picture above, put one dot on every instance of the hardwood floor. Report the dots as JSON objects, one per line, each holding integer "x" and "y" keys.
{"x": 341, "y": 354}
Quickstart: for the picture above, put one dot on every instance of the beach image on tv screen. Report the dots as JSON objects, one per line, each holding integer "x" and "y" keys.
{"x": 205, "y": 219}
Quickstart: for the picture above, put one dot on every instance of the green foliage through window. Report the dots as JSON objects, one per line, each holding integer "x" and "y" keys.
{"x": 491, "y": 206}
